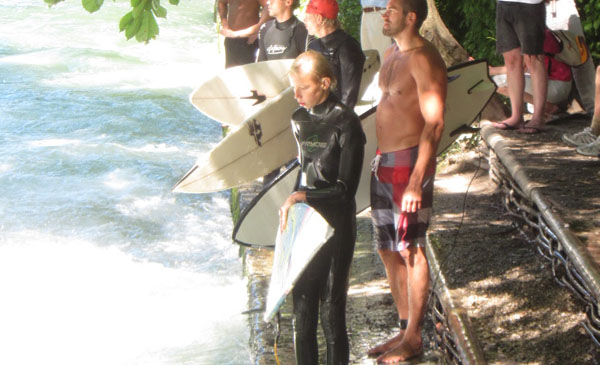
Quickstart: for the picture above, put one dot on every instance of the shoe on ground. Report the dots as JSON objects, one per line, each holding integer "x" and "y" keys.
{"x": 580, "y": 138}
{"x": 590, "y": 149}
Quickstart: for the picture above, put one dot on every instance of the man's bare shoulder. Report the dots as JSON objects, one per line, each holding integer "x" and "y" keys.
{"x": 428, "y": 57}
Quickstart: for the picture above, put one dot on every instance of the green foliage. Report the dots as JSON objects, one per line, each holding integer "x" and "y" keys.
{"x": 473, "y": 24}
{"x": 349, "y": 15}
{"x": 92, "y": 5}
{"x": 589, "y": 11}
{"x": 140, "y": 22}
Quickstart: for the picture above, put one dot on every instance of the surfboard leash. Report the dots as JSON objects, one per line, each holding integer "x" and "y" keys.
{"x": 460, "y": 224}
{"x": 277, "y": 333}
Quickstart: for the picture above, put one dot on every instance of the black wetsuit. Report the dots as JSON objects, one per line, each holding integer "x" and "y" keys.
{"x": 347, "y": 59}
{"x": 331, "y": 145}
{"x": 283, "y": 40}
{"x": 277, "y": 41}
{"x": 238, "y": 52}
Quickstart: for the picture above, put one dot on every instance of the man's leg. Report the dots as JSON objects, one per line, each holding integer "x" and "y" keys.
{"x": 417, "y": 270}
{"x": 539, "y": 79}
{"x": 589, "y": 134}
{"x": 395, "y": 270}
{"x": 515, "y": 80}
{"x": 593, "y": 148}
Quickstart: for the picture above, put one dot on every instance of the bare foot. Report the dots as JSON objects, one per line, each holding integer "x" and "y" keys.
{"x": 508, "y": 124}
{"x": 532, "y": 127}
{"x": 405, "y": 351}
{"x": 386, "y": 346}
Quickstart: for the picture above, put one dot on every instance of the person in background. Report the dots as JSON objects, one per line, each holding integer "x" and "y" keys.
{"x": 240, "y": 22}
{"x": 284, "y": 37}
{"x": 331, "y": 149}
{"x": 559, "y": 80}
{"x": 340, "y": 49}
{"x": 409, "y": 124}
{"x": 371, "y": 23}
{"x": 563, "y": 15}
{"x": 588, "y": 140}
{"x": 520, "y": 39}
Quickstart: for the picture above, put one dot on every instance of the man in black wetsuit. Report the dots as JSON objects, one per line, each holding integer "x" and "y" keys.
{"x": 331, "y": 149}
{"x": 343, "y": 52}
{"x": 284, "y": 37}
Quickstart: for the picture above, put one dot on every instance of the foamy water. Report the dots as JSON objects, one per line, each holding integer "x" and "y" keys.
{"x": 99, "y": 262}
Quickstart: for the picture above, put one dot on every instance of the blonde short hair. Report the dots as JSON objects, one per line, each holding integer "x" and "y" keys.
{"x": 315, "y": 64}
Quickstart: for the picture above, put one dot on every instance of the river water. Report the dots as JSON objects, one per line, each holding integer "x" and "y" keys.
{"x": 99, "y": 262}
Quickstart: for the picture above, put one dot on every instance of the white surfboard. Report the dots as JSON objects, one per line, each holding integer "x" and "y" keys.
{"x": 234, "y": 94}
{"x": 261, "y": 144}
{"x": 469, "y": 90}
{"x": 304, "y": 235}
{"x": 256, "y": 223}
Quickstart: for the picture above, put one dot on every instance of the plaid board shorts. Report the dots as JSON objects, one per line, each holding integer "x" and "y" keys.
{"x": 396, "y": 230}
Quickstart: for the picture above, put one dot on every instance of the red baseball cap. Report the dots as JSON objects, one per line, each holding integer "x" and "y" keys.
{"x": 327, "y": 8}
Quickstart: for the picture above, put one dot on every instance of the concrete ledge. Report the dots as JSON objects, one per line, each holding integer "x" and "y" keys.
{"x": 572, "y": 245}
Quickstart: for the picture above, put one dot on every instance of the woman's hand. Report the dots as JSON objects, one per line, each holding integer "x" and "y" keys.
{"x": 295, "y": 197}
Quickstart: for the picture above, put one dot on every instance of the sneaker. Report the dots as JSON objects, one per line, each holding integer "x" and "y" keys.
{"x": 581, "y": 138}
{"x": 590, "y": 149}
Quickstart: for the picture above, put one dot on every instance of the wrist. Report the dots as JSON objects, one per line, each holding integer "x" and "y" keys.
{"x": 299, "y": 197}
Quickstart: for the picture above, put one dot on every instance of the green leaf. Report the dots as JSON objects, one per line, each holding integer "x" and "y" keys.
{"x": 153, "y": 32}
{"x": 135, "y": 3}
{"x": 92, "y": 5}
{"x": 133, "y": 27}
{"x": 143, "y": 33}
{"x": 52, "y": 2}
{"x": 137, "y": 11}
{"x": 160, "y": 12}
{"x": 174, "y": 2}
{"x": 125, "y": 21}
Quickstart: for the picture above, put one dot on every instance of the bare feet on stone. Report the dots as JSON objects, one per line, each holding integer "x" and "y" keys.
{"x": 386, "y": 346}
{"x": 509, "y": 124}
{"x": 532, "y": 127}
{"x": 407, "y": 350}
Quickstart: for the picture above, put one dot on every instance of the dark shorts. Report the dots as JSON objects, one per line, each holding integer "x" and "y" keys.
{"x": 238, "y": 52}
{"x": 520, "y": 25}
{"x": 395, "y": 230}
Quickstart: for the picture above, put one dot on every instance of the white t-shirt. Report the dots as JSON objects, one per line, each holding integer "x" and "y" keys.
{"x": 523, "y": 1}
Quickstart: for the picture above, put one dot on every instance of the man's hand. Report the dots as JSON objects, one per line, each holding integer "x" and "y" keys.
{"x": 411, "y": 199}
{"x": 252, "y": 38}
{"x": 227, "y": 33}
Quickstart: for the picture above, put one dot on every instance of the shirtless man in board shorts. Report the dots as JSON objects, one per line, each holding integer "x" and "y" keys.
{"x": 240, "y": 22}
{"x": 409, "y": 120}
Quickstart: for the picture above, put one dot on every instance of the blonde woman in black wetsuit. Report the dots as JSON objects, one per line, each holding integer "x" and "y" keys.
{"x": 331, "y": 148}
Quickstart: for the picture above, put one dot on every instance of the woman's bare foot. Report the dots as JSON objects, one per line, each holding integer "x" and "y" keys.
{"x": 509, "y": 124}
{"x": 390, "y": 344}
{"x": 532, "y": 127}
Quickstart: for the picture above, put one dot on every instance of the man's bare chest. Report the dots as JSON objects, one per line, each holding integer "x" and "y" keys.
{"x": 394, "y": 76}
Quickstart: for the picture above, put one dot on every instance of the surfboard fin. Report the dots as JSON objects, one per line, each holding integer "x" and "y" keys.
{"x": 259, "y": 98}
